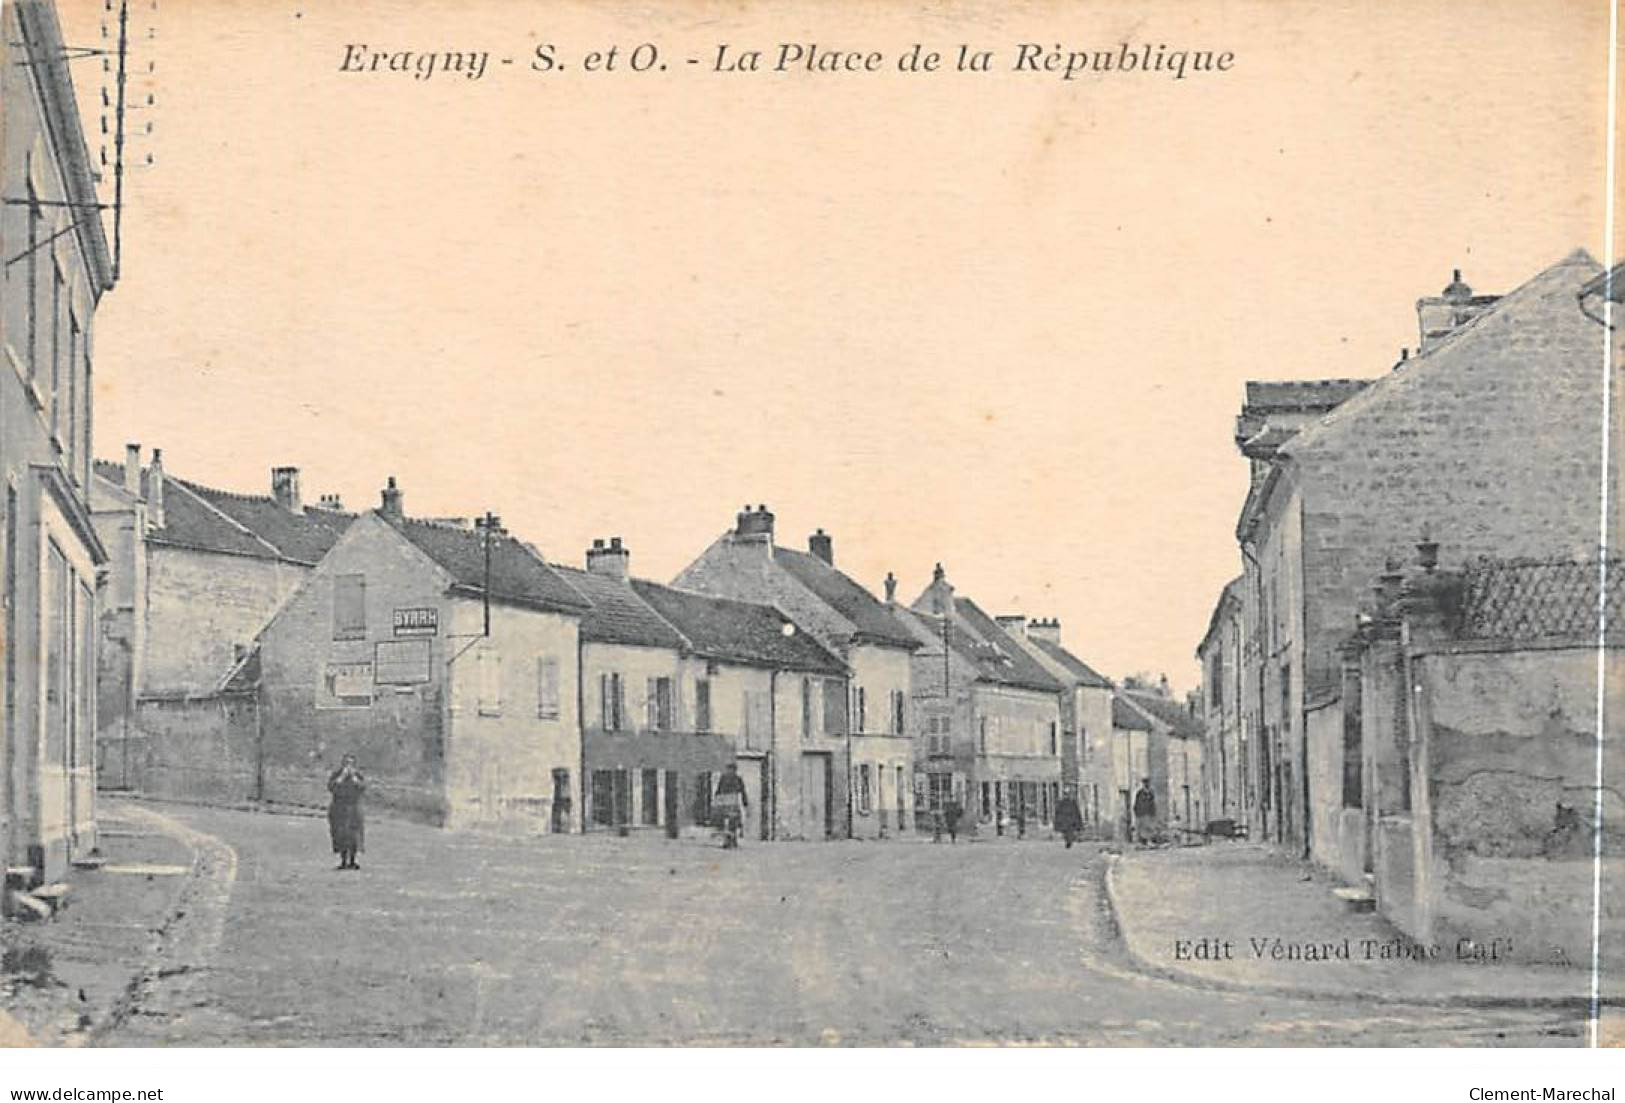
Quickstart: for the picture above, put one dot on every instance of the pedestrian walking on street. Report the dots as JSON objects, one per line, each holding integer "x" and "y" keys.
{"x": 1069, "y": 819}
{"x": 731, "y": 803}
{"x": 345, "y": 824}
{"x": 1145, "y": 814}
{"x": 950, "y": 816}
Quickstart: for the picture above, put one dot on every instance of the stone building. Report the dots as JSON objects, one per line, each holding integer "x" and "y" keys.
{"x": 1490, "y": 434}
{"x": 747, "y": 564}
{"x": 194, "y": 574}
{"x": 1229, "y": 792}
{"x": 444, "y": 657}
{"x": 1086, "y": 717}
{"x": 57, "y": 269}
{"x": 1158, "y": 738}
{"x": 1489, "y": 801}
{"x": 678, "y": 685}
{"x": 988, "y": 714}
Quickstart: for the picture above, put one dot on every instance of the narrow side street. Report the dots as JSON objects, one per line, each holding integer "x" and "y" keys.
{"x": 447, "y": 939}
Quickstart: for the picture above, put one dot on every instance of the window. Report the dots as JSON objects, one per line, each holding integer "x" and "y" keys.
{"x": 658, "y": 704}
{"x": 702, "y": 704}
{"x": 611, "y": 697}
{"x": 1054, "y": 739}
{"x": 866, "y": 796}
{"x": 806, "y": 708}
{"x": 350, "y": 607}
{"x": 863, "y": 710}
{"x": 981, "y": 735}
{"x": 940, "y": 791}
{"x": 758, "y": 719}
{"x": 898, "y": 790}
{"x": 897, "y": 707}
{"x": 547, "y": 688}
{"x": 650, "y": 798}
{"x": 834, "y": 707}
{"x": 490, "y": 669}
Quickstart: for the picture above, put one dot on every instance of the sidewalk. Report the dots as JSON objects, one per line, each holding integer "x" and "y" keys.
{"x": 1241, "y": 917}
{"x": 65, "y": 977}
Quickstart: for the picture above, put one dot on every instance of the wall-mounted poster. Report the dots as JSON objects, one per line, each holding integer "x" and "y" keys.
{"x": 345, "y": 686}
{"x": 401, "y": 662}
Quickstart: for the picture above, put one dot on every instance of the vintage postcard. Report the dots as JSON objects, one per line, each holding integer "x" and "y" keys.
{"x": 754, "y": 524}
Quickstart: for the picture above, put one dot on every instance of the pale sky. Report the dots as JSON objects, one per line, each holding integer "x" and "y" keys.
{"x": 998, "y": 320}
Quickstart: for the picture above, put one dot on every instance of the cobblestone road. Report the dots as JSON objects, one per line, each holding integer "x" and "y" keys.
{"x": 447, "y": 939}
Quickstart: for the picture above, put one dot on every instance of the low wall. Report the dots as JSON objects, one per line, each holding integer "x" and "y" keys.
{"x": 1352, "y": 845}
{"x": 1535, "y": 910}
{"x": 197, "y": 749}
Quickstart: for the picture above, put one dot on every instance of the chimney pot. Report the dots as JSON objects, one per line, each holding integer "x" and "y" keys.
{"x": 155, "y": 489}
{"x": 609, "y": 561}
{"x": 891, "y": 588}
{"x": 390, "y": 501}
{"x": 820, "y": 544}
{"x": 285, "y": 488}
{"x": 755, "y": 523}
{"x": 132, "y": 470}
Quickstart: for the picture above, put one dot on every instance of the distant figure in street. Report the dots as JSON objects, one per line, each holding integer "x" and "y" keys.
{"x": 731, "y": 803}
{"x": 1145, "y": 813}
{"x": 345, "y": 824}
{"x": 950, "y": 817}
{"x": 938, "y": 823}
{"x": 1021, "y": 821}
{"x": 1069, "y": 819}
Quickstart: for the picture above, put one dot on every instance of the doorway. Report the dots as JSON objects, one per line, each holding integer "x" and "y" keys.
{"x": 817, "y": 799}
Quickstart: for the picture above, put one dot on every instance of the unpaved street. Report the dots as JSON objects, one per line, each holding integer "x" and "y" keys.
{"x": 446, "y": 939}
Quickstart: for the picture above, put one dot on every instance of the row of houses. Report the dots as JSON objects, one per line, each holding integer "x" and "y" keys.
{"x": 252, "y": 640}
{"x": 1412, "y": 679}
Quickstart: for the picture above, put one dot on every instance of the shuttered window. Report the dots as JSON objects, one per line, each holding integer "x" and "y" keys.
{"x": 350, "y": 607}
{"x": 547, "y": 688}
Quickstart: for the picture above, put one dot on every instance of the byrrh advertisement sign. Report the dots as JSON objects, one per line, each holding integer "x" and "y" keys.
{"x": 421, "y": 621}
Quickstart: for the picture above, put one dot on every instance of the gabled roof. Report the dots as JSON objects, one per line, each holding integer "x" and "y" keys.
{"x": 872, "y": 621}
{"x": 738, "y": 631}
{"x": 1300, "y": 394}
{"x": 618, "y": 615}
{"x": 978, "y": 639}
{"x": 518, "y": 575}
{"x": 1544, "y": 302}
{"x": 1129, "y": 718}
{"x": 1080, "y": 670}
{"x": 1165, "y": 710}
{"x": 205, "y": 518}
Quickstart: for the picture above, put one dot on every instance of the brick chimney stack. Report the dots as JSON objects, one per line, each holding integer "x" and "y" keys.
{"x": 1014, "y": 624}
{"x": 754, "y": 524}
{"x": 285, "y": 488}
{"x": 1048, "y": 630}
{"x": 390, "y": 502}
{"x": 941, "y": 591}
{"x": 155, "y": 490}
{"x": 132, "y": 470}
{"x": 820, "y": 544}
{"x": 612, "y": 560}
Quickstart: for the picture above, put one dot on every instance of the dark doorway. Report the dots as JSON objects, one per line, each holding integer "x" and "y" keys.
{"x": 651, "y": 798}
{"x": 672, "y": 802}
{"x": 561, "y": 801}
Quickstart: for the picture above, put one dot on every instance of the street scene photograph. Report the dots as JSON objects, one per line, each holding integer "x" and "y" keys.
{"x": 754, "y": 526}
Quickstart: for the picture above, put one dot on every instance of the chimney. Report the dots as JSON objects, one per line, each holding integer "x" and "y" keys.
{"x": 390, "y": 502}
{"x": 755, "y": 524}
{"x": 1441, "y": 315}
{"x": 610, "y": 561}
{"x": 1014, "y": 624}
{"x": 332, "y": 502}
{"x": 942, "y": 592}
{"x": 285, "y": 488}
{"x": 822, "y": 546}
{"x": 155, "y": 490}
{"x": 891, "y": 588}
{"x": 1048, "y": 630}
{"x": 1162, "y": 685}
{"x": 132, "y": 470}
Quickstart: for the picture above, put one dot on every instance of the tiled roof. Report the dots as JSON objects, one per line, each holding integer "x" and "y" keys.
{"x": 1127, "y": 717}
{"x": 976, "y": 637}
{"x": 618, "y": 614}
{"x": 869, "y": 616}
{"x": 738, "y": 631}
{"x": 1168, "y": 711}
{"x": 1230, "y": 595}
{"x": 209, "y": 519}
{"x": 517, "y": 573}
{"x": 1082, "y": 671}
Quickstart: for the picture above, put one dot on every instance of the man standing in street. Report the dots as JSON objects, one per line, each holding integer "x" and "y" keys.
{"x": 1145, "y": 814}
{"x": 1069, "y": 819}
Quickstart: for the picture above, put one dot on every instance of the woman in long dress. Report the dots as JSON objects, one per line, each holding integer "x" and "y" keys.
{"x": 344, "y": 820}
